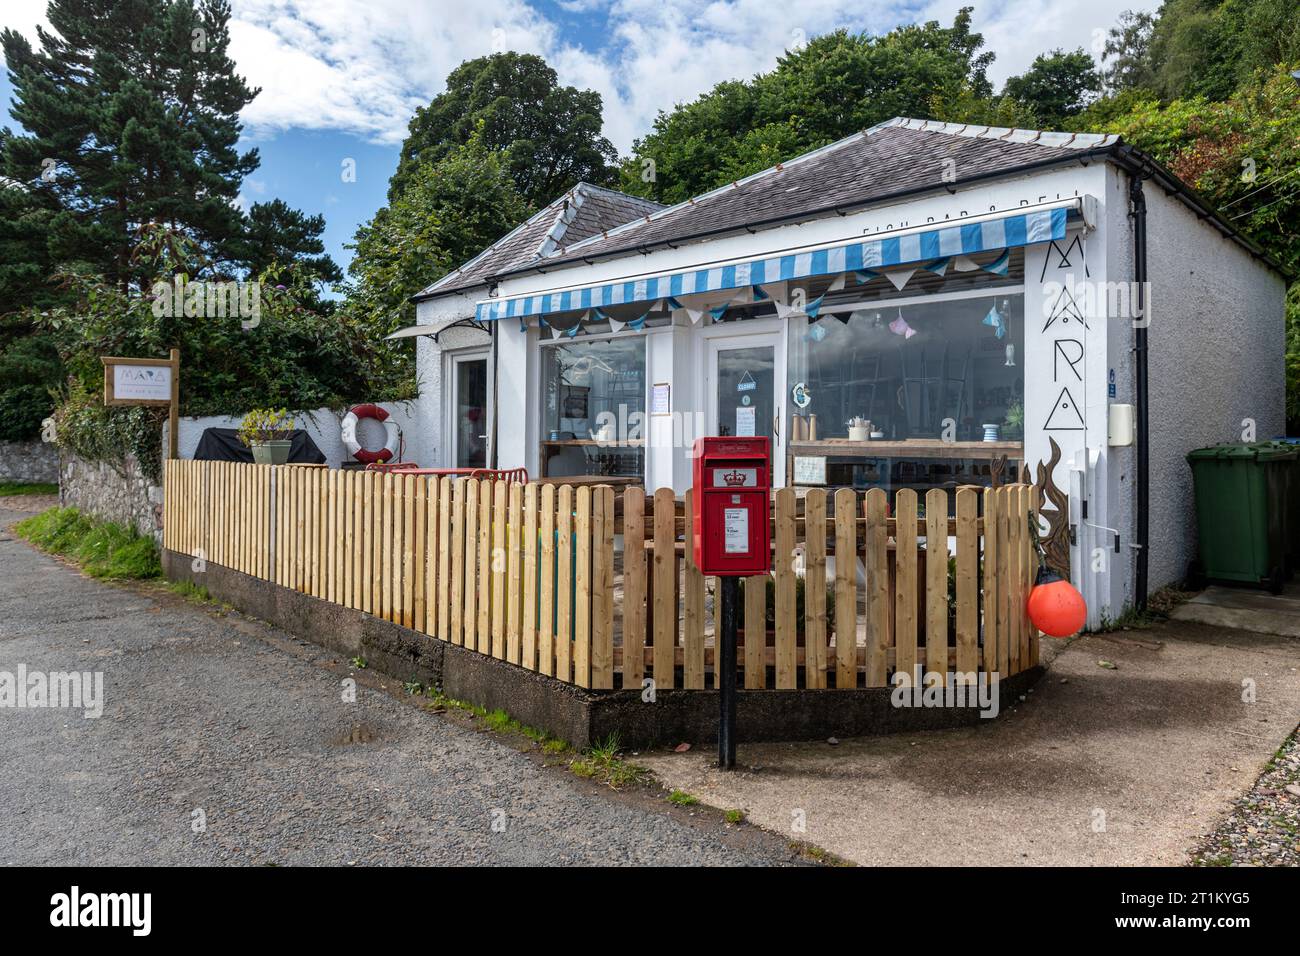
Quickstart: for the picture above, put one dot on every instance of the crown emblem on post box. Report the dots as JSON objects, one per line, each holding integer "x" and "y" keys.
{"x": 734, "y": 479}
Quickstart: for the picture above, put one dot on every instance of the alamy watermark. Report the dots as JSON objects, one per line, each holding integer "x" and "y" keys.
{"x": 958, "y": 689}
{"x": 209, "y": 300}
{"x": 74, "y": 690}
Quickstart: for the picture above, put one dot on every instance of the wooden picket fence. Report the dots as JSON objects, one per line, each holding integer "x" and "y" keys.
{"x": 601, "y": 591}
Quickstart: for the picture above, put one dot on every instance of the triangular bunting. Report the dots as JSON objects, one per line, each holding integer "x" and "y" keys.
{"x": 999, "y": 265}
{"x": 813, "y": 307}
{"x": 837, "y": 283}
{"x": 865, "y": 275}
{"x": 784, "y": 311}
{"x": 938, "y": 267}
{"x": 964, "y": 264}
{"x": 718, "y": 311}
{"x": 900, "y": 278}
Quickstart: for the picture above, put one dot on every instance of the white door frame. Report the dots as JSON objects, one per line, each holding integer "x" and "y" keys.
{"x": 452, "y": 359}
{"x": 749, "y": 333}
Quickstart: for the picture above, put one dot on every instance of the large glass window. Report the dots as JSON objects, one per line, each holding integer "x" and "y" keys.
{"x": 593, "y": 407}
{"x": 922, "y": 391}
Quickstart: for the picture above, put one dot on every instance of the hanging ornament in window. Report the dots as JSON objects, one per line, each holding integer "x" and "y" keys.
{"x": 995, "y": 319}
{"x": 900, "y": 327}
{"x": 1011, "y": 356}
{"x": 815, "y": 333}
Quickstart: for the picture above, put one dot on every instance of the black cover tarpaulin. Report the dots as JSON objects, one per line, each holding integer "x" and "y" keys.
{"x": 223, "y": 444}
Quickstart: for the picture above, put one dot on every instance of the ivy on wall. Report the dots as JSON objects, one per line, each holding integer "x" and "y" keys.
{"x": 94, "y": 432}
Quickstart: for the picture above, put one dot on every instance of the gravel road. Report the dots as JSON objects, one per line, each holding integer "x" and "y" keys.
{"x": 226, "y": 721}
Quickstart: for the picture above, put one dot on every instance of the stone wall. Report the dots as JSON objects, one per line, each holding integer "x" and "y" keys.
{"x": 29, "y": 461}
{"x": 115, "y": 492}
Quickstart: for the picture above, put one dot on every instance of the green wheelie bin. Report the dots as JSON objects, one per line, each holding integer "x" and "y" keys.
{"x": 1291, "y": 516}
{"x": 1241, "y": 510}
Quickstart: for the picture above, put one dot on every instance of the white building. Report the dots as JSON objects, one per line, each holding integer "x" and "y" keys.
{"x": 987, "y": 299}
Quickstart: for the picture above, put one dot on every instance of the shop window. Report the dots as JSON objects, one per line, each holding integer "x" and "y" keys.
{"x": 593, "y": 407}
{"x": 919, "y": 370}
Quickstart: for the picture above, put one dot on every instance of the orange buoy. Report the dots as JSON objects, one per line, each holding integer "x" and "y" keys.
{"x": 1055, "y": 605}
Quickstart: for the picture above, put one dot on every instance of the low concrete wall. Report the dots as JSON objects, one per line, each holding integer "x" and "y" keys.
{"x": 578, "y": 716}
{"x": 119, "y": 493}
{"x": 29, "y": 461}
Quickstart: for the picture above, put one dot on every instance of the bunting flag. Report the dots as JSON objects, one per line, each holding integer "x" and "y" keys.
{"x": 718, "y": 311}
{"x": 964, "y": 264}
{"x": 814, "y": 307}
{"x": 865, "y": 275}
{"x": 637, "y": 324}
{"x": 900, "y": 278}
{"x": 784, "y": 311}
{"x": 994, "y": 319}
{"x": 900, "y": 327}
{"x": 939, "y": 267}
{"x": 837, "y": 283}
{"x": 999, "y": 265}
{"x": 991, "y": 233}
{"x": 759, "y": 294}
{"x": 572, "y": 332}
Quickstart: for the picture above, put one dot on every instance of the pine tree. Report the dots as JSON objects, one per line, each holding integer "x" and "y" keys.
{"x": 130, "y": 116}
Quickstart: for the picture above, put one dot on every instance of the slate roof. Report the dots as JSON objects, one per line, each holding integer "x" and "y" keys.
{"x": 894, "y": 158}
{"x": 582, "y": 212}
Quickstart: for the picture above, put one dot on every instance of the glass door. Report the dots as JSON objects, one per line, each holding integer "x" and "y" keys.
{"x": 742, "y": 389}
{"x": 468, "y": 393}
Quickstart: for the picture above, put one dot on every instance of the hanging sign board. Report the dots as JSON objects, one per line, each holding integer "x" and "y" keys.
{"x": 145, "y": 381}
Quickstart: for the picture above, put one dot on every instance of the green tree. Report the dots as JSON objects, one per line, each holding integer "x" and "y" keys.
{"x": 549, "y": 135}
{"x": 837, "y": 84}
{"x": 1243, "y": 154}
{"x": 130, "y": 114}
{"x": 1127, "y": 55}
{"x": 276, "y": 233}
{"x": 447, "y": 213}
{"x": 1057, "y": 86}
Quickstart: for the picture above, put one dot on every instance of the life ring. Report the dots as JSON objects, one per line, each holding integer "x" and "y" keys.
{"x": 349, "y": 434}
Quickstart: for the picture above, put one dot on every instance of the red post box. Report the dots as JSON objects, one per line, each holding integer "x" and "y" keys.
{"x": 733, "y": 483}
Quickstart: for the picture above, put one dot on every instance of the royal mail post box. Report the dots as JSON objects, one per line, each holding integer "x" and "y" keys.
{"x": 733, "y": 483}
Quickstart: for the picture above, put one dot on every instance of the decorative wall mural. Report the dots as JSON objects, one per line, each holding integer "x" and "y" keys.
{"x": 1064, "y": 310}
{"x": 1075, "y": 246}
{"x": 1056, "y": 542}
{"x": 1065, "y": 415}
{"x": 1071, "y": 350}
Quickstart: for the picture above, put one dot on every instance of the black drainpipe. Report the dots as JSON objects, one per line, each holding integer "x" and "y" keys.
{"x": 1139, "y": 213}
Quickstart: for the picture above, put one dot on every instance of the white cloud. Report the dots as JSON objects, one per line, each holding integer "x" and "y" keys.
{"x": 363, "y": 68}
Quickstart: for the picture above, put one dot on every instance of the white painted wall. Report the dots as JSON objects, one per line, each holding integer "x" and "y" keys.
{"x": 1216, "y": 346}
{"x": 322, "y": 424}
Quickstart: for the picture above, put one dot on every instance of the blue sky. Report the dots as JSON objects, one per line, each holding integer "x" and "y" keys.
{"x": 340, "y": 79}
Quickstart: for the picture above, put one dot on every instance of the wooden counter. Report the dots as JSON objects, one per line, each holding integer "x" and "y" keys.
{"x": 931, "y": 448}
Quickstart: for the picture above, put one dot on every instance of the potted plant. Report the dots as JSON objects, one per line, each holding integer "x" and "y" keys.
{"x": 1014, "y": 425}
{"x": 266, "y": 431}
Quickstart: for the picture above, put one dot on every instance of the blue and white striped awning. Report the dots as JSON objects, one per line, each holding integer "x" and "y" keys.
{"x": 1002, "y": 232}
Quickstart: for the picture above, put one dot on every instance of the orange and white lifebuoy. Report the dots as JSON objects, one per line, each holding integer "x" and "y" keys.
{"x": 349, "y": 434}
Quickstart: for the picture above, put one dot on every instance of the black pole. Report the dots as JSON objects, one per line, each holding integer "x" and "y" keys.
{"x": 726, "y": 675}
{"x": 1142, "y": 532}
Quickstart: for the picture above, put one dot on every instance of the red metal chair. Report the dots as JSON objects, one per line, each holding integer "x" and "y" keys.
{"x": 392, "y": 466}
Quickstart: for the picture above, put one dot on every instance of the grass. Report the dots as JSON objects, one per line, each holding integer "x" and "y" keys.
{"x": 602, "y": 762}
{"x": 681, "y": 798}
{"x": 190, "y": 591}
{"x": 102, "y": 549}
{"x": 10, "y": 488}
{"x": 734, "y": 817}
{"x": 497, "y": 721}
